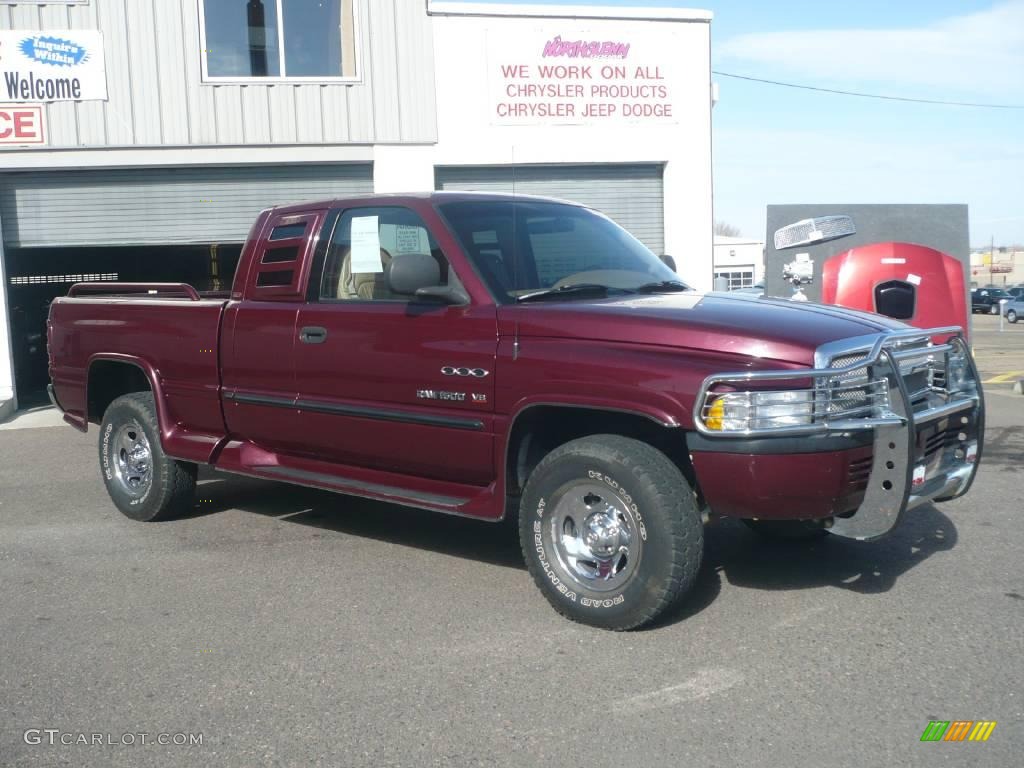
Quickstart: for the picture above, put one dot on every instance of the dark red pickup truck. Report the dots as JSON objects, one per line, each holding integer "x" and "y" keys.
{"x": 487, "y": 355}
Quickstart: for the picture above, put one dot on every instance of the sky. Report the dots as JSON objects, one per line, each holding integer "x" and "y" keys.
{"x": 780, "y": 145}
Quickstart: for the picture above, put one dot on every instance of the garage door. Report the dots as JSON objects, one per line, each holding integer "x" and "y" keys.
{"x": 160, "y": 206}
{"x": 633, "y": 195}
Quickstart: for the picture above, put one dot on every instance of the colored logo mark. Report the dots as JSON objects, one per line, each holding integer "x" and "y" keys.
{"x": 958, "y": 730}
{"x": 54, "y": 50}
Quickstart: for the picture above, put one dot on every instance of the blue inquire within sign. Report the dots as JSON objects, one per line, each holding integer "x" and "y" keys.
{"x": 59, "y": 65}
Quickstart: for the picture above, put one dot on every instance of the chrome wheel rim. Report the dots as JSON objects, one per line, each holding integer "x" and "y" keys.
{"x": 133, "y": 459}
{"x": 595, "y": 536}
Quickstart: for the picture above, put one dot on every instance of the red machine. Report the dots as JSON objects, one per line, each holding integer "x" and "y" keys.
{"x": 913, "y": 283}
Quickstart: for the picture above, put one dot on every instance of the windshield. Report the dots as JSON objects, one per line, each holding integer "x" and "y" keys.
{"x": 521, "y": 247}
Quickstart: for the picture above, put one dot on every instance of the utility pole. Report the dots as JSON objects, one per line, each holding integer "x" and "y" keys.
{"x": 991, "y": 260}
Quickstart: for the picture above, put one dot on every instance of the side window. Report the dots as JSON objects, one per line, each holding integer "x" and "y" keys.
{"x": 366, "y": 241}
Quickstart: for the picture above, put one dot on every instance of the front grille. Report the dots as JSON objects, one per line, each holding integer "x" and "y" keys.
{"x": 936, "y": 442}
{"x": 852, "y": 395}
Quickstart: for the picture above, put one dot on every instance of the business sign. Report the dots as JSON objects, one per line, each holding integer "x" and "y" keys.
{"x": 63, "y": 65}
{"x": 574, "y": 76}
{"x": 22, "y": 126}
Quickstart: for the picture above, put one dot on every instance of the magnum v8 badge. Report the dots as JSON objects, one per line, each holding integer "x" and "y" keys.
{"x": 437, "y": 394}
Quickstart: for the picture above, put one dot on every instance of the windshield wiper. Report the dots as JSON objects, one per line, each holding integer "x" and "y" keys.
{"x": 570, "y": 290}
{"x": 663, "y": 286}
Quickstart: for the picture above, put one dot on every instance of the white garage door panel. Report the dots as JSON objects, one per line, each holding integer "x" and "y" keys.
{"x": 633, "y": 195}
{"x": 160, "y": 206}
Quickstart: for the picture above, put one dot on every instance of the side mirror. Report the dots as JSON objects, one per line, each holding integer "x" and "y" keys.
{"x": 408, "y": 273}
{"x": 668, "y": 261}
{"x": 445, "y": 294}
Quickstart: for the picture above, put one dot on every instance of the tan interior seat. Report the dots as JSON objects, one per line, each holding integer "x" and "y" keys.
{"x": 364, "y": 285}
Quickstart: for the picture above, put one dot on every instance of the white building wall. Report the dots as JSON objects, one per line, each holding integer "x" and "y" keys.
{"x": 6, "y": 353}
{"x": 732, "y": 252}
{"x": 469, "y": 133}
{"x": 156, "y": 97}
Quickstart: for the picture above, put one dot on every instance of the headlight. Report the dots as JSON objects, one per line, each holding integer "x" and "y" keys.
{"x": 744, "y": 411}
{"x": 957, "y": 372}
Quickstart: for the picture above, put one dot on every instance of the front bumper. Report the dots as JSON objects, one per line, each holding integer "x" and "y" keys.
{"x": 925, "y": 444}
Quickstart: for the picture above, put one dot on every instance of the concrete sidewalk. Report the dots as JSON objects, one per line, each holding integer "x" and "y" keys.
{"x": 32, "y": 418}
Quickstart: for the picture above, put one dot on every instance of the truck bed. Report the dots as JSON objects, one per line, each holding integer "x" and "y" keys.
{"x": 171, "y": 339}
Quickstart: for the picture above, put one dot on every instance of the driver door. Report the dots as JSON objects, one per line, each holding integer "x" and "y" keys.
{"x": 385, "y": 381}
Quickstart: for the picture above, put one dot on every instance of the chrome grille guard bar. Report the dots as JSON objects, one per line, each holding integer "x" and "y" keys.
{"x": 903, "y": 475}
{"x": 881, "y": 349}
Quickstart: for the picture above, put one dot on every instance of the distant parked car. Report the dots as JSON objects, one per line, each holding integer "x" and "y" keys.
{"x": 1014, "y": 309}
{"x": 987, "y": 299}
{"x": 757, "y": 289}
{"x": 1017, "y": 291}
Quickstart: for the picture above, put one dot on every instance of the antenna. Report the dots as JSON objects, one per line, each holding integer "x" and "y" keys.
{"x": 515, "y": 234}
{"x": 515, "y": 252}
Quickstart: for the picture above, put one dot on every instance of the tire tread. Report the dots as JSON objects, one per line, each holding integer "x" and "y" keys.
{"x": 656, "y": 471}
{"x": 176, "y": 480}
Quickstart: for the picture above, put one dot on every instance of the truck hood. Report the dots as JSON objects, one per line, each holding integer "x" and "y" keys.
{"x": 749, "y": 326}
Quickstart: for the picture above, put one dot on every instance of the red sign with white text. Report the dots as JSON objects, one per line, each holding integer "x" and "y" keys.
{"x": 21, "y": 125}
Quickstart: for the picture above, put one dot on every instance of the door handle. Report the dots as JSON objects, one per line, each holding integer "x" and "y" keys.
{"x": 313, "y": 334}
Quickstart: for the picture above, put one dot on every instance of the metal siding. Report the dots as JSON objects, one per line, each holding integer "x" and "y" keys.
{"x": 121, "y": 96}
{"x": 384, "y": 55}
{"x": 227, "y": 106}
{"x": 90, "y": 125}
{"x": 308, "y": 129}
{"x": 254, "y": 115}
{"x": 360, "y": 100}
{"x": 171, "y": 64}
{"x": 633, "y": 195}
{"x": 140, "y": 23}
{"x": 156, "y": 96}
{"x": 160, "y": 206}
{"x": 281, "y": 100}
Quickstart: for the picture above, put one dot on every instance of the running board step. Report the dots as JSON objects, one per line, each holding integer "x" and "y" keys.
{"x": 360, "y": 488}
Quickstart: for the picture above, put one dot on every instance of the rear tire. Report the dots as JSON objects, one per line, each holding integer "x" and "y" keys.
{"x": 610, "y": 531}
{"x": 143, "y": 482}
{"x": 993, "y": 309}
{"x": 788, "y": 530}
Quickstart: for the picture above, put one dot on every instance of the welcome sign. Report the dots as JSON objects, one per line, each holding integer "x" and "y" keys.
{"x": 61, "y": 65}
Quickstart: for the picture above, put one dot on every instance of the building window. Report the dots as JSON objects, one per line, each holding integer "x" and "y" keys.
{"x": 738, "y": 277}
{"x": 273, "y": 40}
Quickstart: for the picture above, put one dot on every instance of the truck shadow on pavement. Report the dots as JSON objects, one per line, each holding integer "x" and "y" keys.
{"x": 746, "y": 559}
{"x": 743, "y": 558}
{"x": 495, "y": 544}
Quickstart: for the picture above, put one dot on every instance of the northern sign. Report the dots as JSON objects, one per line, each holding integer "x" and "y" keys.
{"x": 580, "y": 76}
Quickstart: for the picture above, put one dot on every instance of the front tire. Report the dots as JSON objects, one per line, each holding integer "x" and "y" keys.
{"x": 993, "y": 309}
{"x": 143, "y": 482}
{"x": 1011, "y": 316}
{"x": 610, "y": 531}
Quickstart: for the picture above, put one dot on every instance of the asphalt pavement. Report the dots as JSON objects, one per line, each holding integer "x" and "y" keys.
{"x": 288, "y": 627}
